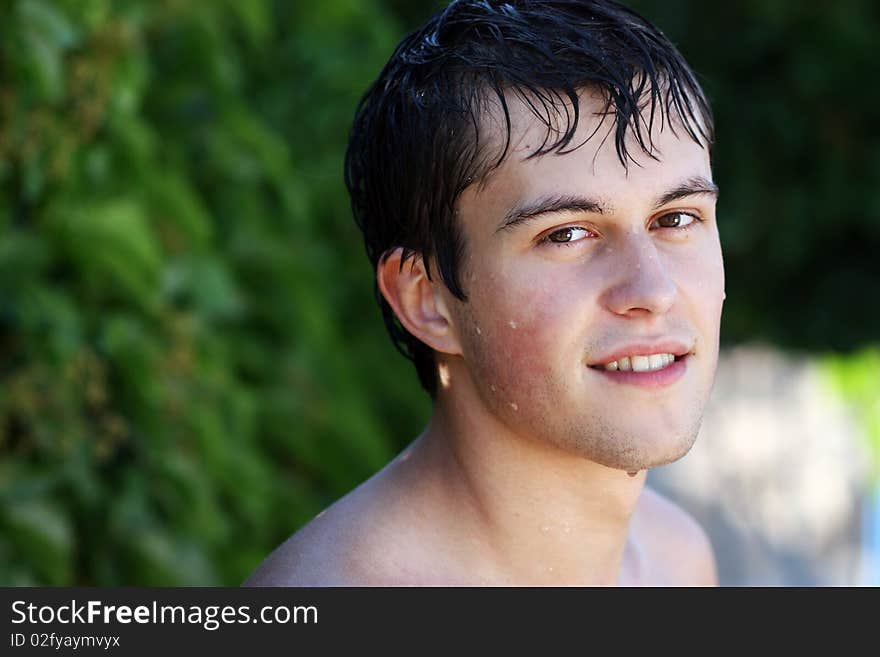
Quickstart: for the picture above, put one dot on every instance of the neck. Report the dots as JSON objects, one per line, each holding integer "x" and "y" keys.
{"x": 526, "y": 512}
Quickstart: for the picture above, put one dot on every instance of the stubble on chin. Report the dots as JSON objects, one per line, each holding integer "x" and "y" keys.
{"x": 615, "y": 445}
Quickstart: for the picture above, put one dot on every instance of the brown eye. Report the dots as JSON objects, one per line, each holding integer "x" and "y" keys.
{"x": 563, "y": 235}
{"x": 674, "y": 220}
{"x": 567, "y": 235}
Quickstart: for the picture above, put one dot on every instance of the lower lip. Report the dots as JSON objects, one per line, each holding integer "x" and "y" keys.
{"x": 652, "y": 379}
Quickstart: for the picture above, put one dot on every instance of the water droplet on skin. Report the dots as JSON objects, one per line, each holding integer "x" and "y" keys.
{"x": 545, "y": 528}
{"x": 514, "y": 406}
{"x": 479, "y": 332}
{"x": 493, "y": 388}
{"x": 512, "y": 324}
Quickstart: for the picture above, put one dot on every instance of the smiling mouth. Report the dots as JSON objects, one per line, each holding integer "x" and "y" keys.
{"x": 647, "y": 363}
{"x": 648, "y": 371}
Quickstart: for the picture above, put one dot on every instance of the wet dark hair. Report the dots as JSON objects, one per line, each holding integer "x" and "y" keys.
{"x": 415, "y": 144}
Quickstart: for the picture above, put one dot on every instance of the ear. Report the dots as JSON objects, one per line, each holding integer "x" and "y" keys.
{"x": 417, "y": 301}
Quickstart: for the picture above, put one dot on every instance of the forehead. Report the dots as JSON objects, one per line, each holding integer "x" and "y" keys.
{"x": 590, "y": 163}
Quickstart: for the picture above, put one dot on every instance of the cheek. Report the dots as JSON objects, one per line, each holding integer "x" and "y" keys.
{"x": 714, "y": 272}
{"x": 517, "y": 336}
{"x": 700, "y": 279}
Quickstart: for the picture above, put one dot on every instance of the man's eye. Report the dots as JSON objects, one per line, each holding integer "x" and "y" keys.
{"x": 567, "y": 235}
{"x": 674, "y": 220}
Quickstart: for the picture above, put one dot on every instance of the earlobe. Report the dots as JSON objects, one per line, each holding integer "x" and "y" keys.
{"x": 417, "y": 301}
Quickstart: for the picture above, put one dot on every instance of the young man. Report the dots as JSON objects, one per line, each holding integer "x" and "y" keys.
{"x": 533, "y": 182}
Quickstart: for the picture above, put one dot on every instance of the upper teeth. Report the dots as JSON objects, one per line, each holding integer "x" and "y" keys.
{"x": 640, "y": 363}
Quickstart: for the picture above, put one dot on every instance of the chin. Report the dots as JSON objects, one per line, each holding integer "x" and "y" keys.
{"x": 637, "y": 448}
{"x": 673, "y": 452}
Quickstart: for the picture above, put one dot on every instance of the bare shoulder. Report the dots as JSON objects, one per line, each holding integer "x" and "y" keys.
{"x": 354, "y": 542}
{"x": 676, "y": 547}
{"x": 301, "y": 561}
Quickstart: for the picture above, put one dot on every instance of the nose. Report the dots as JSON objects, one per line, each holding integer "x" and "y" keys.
{"x": 642, "y": 284}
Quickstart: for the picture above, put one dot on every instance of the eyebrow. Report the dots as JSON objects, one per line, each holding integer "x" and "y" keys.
{"x": 524, "y": 213}
{"x": 690, "y": 187}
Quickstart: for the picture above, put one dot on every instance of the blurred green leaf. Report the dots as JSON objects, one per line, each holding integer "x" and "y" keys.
{"x": 113, "y": 246}
{"x": 47, "y": 20}
{"x": 42, "y": 533}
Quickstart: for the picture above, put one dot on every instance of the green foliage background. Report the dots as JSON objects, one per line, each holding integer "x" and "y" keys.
{"x": 191, "y": 361}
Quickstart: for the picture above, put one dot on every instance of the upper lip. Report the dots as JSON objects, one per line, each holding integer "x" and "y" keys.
{"x": 674, "y": 347}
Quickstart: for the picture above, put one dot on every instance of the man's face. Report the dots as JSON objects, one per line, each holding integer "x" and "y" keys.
{"x": 595, "y": 263}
